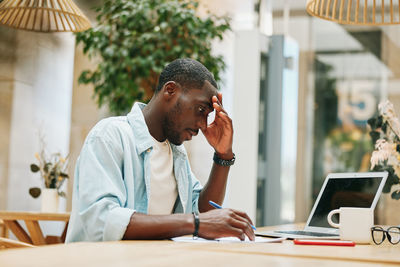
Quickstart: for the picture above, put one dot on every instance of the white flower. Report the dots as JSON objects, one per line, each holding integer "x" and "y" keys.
{"x": 386, "y": 154}
{"x": 384, "y": 151}
{"x": 389, "y": 115}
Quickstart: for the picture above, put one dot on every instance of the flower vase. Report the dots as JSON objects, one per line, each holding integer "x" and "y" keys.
{"x": 50, "y": 199}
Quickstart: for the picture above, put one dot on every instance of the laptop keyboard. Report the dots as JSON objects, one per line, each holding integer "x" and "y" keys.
{"x": 305, "y": 233}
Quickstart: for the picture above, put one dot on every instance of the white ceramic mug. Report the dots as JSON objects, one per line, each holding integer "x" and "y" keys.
{"x": 354, "y": 223}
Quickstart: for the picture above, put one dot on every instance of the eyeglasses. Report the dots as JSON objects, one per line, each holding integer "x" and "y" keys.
{"x": 379, "y": 234}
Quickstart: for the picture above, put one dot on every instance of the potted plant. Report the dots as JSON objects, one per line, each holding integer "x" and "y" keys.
{"x": 136, "y": 39}
{"x": 385, "y": 134}
{"x": 53, "y": 171}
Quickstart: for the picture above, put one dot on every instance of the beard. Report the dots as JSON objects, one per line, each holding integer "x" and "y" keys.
{"x": 170, "y": 125}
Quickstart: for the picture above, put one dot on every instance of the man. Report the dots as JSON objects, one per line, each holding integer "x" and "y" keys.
{"x": 133, "y": 179}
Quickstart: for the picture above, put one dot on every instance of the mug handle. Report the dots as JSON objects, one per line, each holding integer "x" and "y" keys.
{"x": 336, "y": 225}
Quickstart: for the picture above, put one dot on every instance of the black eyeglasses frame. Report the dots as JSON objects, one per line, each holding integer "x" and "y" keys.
{"x": 386, "y": 234}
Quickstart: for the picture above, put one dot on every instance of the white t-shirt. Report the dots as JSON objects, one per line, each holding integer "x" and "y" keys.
{"x": 163, "y": 190}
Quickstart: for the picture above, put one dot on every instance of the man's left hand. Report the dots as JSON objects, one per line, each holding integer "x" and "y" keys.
{"x": 219, "y": 133}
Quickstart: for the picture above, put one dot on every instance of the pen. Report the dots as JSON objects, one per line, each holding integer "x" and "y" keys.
{"x": 324, "y": 242}
{"x": 215, "y": 205}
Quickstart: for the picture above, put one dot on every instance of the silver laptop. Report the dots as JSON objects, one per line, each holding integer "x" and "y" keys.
{"x": 339, "y": 190}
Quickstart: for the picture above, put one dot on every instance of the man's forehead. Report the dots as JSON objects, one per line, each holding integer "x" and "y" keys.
{"x": 209, "y": 90}
{"x": 203, "y": 94}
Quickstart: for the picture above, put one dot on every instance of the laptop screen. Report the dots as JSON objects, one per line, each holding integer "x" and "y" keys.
{"x": 344, "y": 192}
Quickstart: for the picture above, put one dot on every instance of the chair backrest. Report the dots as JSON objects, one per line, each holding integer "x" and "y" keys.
{"x": 3, "y": 229}
{"x": 10, "y": 243}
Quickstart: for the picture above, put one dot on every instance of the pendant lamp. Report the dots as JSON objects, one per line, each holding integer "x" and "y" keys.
{"x": 356, "y": 12}
{"x": 43, "y": 15}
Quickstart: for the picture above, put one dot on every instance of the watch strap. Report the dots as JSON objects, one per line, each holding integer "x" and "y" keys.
{"x": 224, "y": 162}
{"x": 196, "y": 224}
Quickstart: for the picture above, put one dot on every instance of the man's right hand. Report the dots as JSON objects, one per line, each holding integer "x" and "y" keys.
{"x": 225, "y": 223}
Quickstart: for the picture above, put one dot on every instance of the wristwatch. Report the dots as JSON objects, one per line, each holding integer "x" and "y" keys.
{"x": 196, "y": 225}
{"x": 224, "y": 162}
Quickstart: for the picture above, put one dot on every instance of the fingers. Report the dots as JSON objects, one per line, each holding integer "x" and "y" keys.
{"x": 238, "y": 227}
{"x": 244, "y": 215}
{"x": 244, "y": 227}
{"x": 237, "y": 232}
{"x": 217, "y": 102}
{"x": 220, "y": 97}
{"x": 220, "y": 111}
{"x": 224, "y": 223}
{"x": 217, "y": 98}
{"x": 244, "y": 223}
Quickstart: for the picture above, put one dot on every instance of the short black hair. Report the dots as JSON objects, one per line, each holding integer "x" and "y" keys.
{"x": 187, "y": 72}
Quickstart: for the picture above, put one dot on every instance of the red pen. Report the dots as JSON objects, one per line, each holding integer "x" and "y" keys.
{"x": 324, "y": 242}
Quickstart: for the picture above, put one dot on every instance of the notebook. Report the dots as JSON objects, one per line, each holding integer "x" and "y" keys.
{"x": 339, "y": 190}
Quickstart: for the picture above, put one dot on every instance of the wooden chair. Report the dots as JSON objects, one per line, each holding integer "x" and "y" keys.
{"x": 34, "y": 234}
{"x": 10, "y": 243}
{"x": 3, "y": 229}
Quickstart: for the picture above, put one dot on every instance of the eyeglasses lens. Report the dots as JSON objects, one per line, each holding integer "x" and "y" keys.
{"x": 378, "y": 235}
{"x": 394, "y": 233}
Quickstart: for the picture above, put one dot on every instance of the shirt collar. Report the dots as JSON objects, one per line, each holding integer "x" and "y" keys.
{"x": 141, "y": 131}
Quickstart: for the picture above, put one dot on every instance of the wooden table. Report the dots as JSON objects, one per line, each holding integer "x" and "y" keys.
{"x": 31, "y": 219}
{"x": 169, "y": 253}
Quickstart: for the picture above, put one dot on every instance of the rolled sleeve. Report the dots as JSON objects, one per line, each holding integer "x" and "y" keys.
{"x": 116, "y": 223}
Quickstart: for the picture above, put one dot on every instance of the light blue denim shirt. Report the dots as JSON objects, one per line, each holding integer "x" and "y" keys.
{"x": 112, "y": 178}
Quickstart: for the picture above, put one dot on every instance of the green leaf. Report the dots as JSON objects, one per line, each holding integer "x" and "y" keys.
{"x": 396, "y": 195}
{"x": 392, "y": 178}
{"x": 34, "y": 168}
{"x": 384, "y": 126}
{"x": 35, "y": 192}
{"x": 135, "y": 39}
{"x": 372, "y": 123}
{"x": 374, "y": 136}
{"x": 53, "y": 182}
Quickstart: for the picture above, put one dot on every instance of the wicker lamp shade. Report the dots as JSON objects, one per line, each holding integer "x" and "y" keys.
{"x": 356, "y": 12}
{"x": 43, "y": 15}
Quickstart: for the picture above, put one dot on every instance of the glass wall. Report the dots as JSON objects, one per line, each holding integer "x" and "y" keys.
{"x": 345, "y": 72}
{"x": 350, "y": 78}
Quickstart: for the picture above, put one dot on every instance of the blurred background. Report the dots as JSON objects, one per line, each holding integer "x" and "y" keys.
{"x": 299, "y": 89}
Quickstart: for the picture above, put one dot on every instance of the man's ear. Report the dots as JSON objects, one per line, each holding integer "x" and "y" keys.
{"x": 170, "y": 90}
